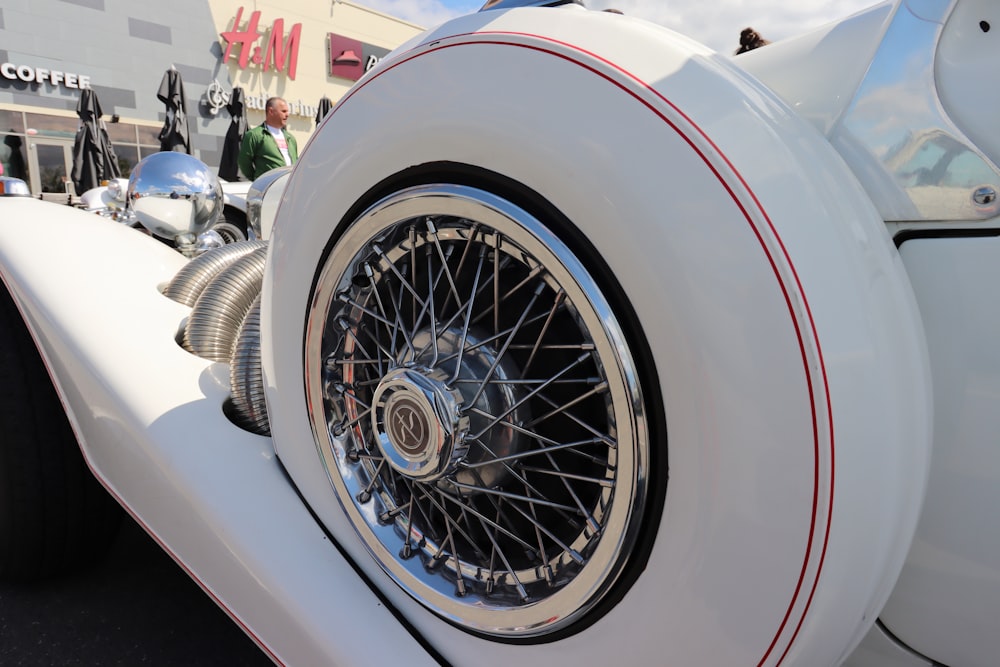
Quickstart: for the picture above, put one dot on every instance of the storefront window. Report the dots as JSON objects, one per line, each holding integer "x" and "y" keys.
{"x": 121, "y": 132}
{"x": 127, "y": 156}
{"x": 52, "y": 168}
{"x": 149, "y": 136}
{"x": 11, "y": 121}
{"x": 53, "y": 126}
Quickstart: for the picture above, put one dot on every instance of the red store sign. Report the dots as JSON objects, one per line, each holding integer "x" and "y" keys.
{"x": 351, "y": 58}
{"x": 276, "y": 52}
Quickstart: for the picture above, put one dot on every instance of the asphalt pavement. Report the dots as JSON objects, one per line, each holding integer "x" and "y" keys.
{"x": 136, "y": 608}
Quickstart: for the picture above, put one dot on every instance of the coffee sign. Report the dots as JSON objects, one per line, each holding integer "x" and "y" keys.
{"x": 30, "y": 74}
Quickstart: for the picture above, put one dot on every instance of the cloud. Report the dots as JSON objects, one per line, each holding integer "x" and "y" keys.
{"x": 427, "y": 13}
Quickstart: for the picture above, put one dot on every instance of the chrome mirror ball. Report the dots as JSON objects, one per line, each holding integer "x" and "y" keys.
{"x": 174, "y": 194}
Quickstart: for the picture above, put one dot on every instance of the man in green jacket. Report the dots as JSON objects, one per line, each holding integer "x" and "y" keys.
{"x": 268, "y": 145}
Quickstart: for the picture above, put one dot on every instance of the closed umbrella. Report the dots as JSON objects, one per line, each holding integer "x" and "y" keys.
{"x": 325, "y": 106}
{"x": 174, "y": 134}
{"x": 94, "y": 159}
{"x": 228, "y": 168}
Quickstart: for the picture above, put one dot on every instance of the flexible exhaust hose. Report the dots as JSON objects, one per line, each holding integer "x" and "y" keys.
{"x": 219, "y": 312}
{"x": 191, "y": 280}
{"x": 246, "y": 378}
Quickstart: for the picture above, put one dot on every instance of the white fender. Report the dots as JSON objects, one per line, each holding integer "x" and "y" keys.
{"x": 793, "y": 370}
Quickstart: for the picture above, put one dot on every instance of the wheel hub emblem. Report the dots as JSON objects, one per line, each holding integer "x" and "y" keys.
{"x": 417, "y": 422}
{"x": 407, "y": 426}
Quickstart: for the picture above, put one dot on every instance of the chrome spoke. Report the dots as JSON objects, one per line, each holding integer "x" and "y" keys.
{"x": 494, "y": 524}
{"x": 444, "y": 259}
{"x": 384, "y": 319}
{"x": 591, "y": 522}
{"x": 527, "y": 382}
{"x": 607, "y": 439}
{"x": 503, "y": 349}
{"x": 349, "y": 330}
{"x": 533, "y": 392}
{"x": 599, "y": 389}
{"x": 516, "y": 496}
{"x": 399, "y": 328}
{"x": 603, "y": 439}
{"x": 487, "y": 341}
{"x": 468, "y": 314}
{"x": 600, "y": 481}
{"x": 522, "y": 593}
{"x": 366, "y": 311}
{"x": 534, "y": 452}
{"x": 556, "y": 304}
{"x": 413, "y": 276}
{"x": 515, "y": 473}
{"x": 355, "y": 399}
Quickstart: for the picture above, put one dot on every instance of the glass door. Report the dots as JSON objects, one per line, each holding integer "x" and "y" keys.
{"x": 51, "y": 161}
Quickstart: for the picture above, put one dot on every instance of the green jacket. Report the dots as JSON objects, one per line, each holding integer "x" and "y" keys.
{"x": 259, "y": 151}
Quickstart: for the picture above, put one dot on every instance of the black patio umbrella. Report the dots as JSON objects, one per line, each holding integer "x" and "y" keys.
{"x": 228, "y": 168}
{"x": 94, "y": 159}
{"x": 325, "y": 107}
{"x": 174, "y": 134}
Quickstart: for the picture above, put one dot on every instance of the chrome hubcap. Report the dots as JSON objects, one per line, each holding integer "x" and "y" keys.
{"x": 418, "y": 424}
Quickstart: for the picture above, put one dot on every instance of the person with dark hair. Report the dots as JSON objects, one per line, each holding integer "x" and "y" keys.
{"x": 750, "y": 39}
{"x": 270, "y": 144}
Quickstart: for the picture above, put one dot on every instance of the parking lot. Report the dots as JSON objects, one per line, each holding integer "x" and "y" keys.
{"x": 137, "y": 608}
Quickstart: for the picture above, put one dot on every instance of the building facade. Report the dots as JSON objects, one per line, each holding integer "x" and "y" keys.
{"x": 50, "y": 50}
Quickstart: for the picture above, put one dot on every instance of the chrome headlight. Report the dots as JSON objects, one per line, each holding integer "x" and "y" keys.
{"x": 262, "y": 200}
{"x": 117, "y": 189}
{"x": 172, "y": 194}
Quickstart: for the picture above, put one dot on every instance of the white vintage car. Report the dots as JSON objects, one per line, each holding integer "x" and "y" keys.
{"x": 574, "y": 342}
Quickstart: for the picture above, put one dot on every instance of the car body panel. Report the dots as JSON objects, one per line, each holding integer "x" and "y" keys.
{"x": 948, "y": 594}
{"x": 149, "y": 419}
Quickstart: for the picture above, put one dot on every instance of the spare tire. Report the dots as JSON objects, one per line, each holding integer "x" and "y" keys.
{"x": 731, "y": 285}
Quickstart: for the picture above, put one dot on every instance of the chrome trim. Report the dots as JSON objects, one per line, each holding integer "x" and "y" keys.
{"x": 255, "y": 198}
{"x": 188, "y": 283}
{"x": 246, "y": 377}
{"x": 174, "y": 194}
{"x": 911, "y": 157}
{"x": 510, "y": 4}
{"x": 227, "y": 231}
{"x": 473, "y": 308}
{"x": 13, "y": 187}
{"x": 215, "y": 320}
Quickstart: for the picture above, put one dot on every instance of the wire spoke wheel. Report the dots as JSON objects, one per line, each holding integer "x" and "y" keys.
{"x": 478, "y": 409}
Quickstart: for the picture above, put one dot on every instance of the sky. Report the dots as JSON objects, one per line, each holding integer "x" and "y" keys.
{"x": 715, "y": 23}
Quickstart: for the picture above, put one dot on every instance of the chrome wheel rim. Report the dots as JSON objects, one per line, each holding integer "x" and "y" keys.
{"x": 229, "y": 232}
{"x": 478, "y": 410}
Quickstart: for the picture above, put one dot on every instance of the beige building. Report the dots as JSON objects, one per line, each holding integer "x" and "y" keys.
{"x": 50, "y": 50}
{"x": 303, "y": 52}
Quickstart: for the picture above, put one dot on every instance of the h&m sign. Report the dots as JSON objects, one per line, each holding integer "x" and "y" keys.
{"x": 277, "y": 51}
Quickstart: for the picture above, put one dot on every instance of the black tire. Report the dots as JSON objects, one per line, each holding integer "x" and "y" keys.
{"x": 55, "y": 517}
